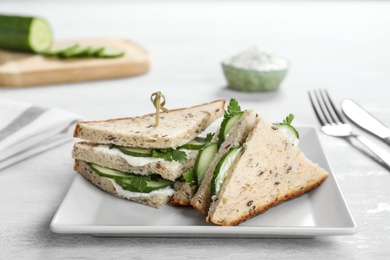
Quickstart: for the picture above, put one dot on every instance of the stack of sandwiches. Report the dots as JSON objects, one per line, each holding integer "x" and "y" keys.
{"x": 133, "y": 159}
{"x": 245, "y": 168}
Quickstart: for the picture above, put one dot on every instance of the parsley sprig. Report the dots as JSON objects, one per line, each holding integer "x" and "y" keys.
{"x": 189, "y": 177}
{"x": 209, "y": 137}
{"x": 170, "y": 155}
{"x": 206, "y": 139}
{"x": 232, "y": 109}
{"x": 287, "y": 122}
{"x": 140, "y": 182}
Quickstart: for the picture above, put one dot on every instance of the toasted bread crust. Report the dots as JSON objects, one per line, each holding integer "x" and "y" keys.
{"x": 176, "y": 128}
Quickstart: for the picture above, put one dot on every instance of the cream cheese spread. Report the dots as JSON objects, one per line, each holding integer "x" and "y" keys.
{"x": 258, "y": 58}
{"x": 133, "y": 160}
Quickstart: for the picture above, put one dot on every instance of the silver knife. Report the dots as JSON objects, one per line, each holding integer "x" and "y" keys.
{"x": 365, "y": 120}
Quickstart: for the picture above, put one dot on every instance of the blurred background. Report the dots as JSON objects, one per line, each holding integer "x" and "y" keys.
{"x": 339, "y": 40}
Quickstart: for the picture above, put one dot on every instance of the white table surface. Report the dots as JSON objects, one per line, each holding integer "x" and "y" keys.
{"x": 342, "y": 46}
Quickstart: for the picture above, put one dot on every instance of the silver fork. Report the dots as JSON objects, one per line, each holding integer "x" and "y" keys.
{"x": 333, "y": 124}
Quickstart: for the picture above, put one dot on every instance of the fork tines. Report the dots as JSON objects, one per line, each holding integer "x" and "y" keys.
{"x": 324, "y": 108}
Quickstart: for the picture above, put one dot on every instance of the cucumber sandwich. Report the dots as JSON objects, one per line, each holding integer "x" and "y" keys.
{"x": 256, "y": 166}
{"x": 133, "y": 159}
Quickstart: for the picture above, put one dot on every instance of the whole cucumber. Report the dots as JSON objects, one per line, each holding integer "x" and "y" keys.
{"x": 29, "y": 34}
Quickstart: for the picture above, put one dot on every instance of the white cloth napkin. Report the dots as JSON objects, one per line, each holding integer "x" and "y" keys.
{"x": 26, "y": 130}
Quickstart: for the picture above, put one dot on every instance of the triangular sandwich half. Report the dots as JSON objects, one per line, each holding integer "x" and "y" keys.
{"x": 133, "y": 159}
{"x": 176, "y": 128}
{"x": 265, "y": 170}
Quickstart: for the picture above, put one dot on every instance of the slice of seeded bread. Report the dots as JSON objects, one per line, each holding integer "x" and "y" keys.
{"x": 175, "y": 129}
{"x": 110, "y": 158}
{"x": 183, "y": 194}
{"x": 270, "y": 170}
{"x": 154, "y": 199}
{"x": 236, "y": 137}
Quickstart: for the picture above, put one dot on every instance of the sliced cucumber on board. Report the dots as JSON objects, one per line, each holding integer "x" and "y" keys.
{"x": 33, "y": 34}
{"x": 69, "y": 52}
{"x": 203, "y": 160}
{"x": 222, "y": 169}
{"x": 55, "y": 52}
{"x": 93, "y": 51}
{"x": 80, "y": 51}
{"x": 109, "y": 53}
{"x": 29, "y": 34}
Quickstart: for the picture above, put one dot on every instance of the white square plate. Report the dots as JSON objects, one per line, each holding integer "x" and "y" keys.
{"x": 323, "y": 211}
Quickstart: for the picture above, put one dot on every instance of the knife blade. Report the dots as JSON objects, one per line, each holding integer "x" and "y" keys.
{"x": 362, "y": 118}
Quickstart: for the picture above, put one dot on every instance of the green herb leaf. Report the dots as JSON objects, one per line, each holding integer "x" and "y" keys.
{"x": 209, "y": 137}
{"x": 140, "y": 182}
{"x": 287, "y": 121}
{"x": 232, "y": 108}
{"x": 206, "y": 139}
{"x": 170, "y": 155}
{"x": 189, "y": 177}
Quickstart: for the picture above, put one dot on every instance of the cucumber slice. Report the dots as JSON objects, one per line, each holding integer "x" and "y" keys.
{"x": 290, "y": 132}
{"x": 203, "y": 160}
{"x": 67, "y": 52}
{"x": 222, "y": 169}
{"x": 82, "y": 51}
{"x": 193, "y": 145}
{"x": 151, "y": 185}
{"x": 226, "y": 125}
{"x": 20, "y": 33}
{"x": 127, "y": 180}
{"x": 136, "y": 152}
{"x": 93, "y": 51}
{"x": 54, "y": 52}
{"x": 76, "y": 51}
{"x": 109, "y": 173}
{"x": 198, "y": 142}
{"x": 109, "y": 53}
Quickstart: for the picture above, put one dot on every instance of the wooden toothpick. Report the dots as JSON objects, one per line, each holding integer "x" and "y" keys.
{"x": 159, "y": 105}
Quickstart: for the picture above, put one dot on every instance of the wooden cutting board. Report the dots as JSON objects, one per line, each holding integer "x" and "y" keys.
{"x": 24, "y": 69}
